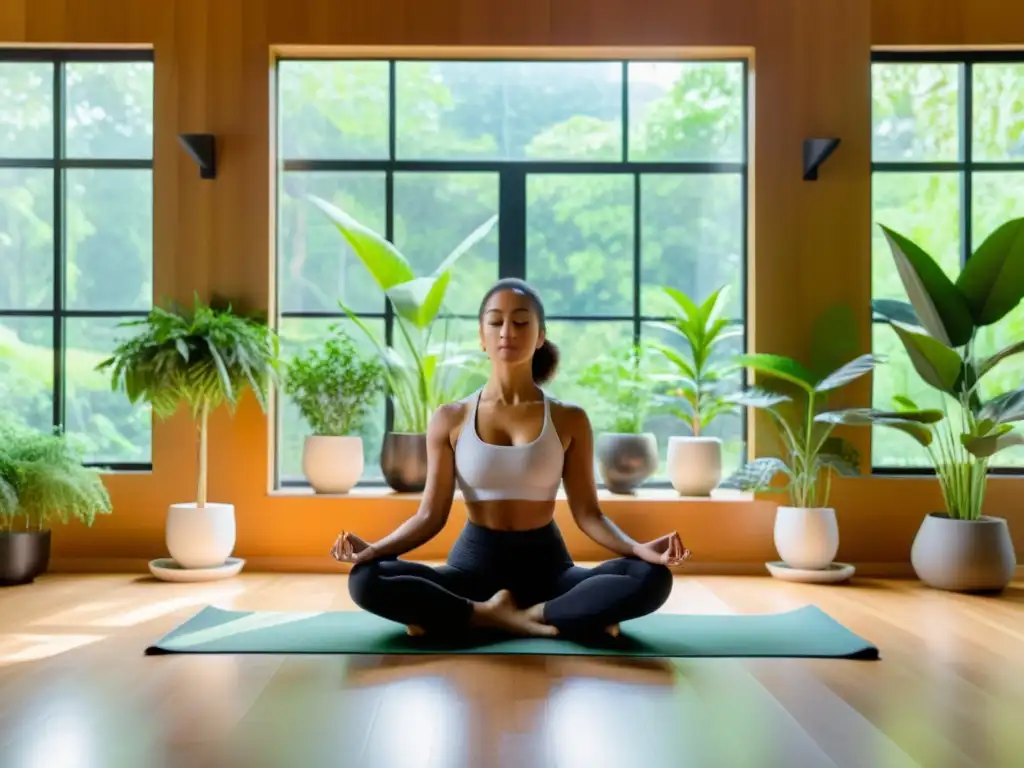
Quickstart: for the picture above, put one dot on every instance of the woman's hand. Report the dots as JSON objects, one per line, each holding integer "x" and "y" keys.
{"x": 668, "y": 550}
{"x": 349, "y": 548}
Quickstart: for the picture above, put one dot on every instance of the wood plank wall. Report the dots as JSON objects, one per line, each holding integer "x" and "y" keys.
{"x": 811, "y": 242}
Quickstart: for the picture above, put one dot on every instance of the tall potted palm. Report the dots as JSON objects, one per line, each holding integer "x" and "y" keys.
{"x": 961, "y": 548}
{"x": 42, "y": 482}
{"x": 424, "y": 368}
{"x": 203, "y": 358}
{"x": 695, "y": 391}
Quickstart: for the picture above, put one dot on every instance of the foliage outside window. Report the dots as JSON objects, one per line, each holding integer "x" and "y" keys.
{"x": 610, "y": 179}
{"x": 76, "y": 244}
{"x": 948, "y": 168}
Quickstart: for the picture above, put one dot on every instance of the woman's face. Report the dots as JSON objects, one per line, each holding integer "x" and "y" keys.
{"x": 509, "y": 328}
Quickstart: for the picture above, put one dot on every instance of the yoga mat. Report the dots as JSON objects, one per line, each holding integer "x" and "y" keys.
{"x": 806, "y": 632}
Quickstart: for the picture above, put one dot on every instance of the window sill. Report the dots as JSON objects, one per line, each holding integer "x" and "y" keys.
{"x": 657, "y": 495}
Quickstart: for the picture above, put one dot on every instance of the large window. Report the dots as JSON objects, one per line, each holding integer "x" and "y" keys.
{"x": 609, "y": 179}
{"x": 948, "y": 168}
{"x": 76, "y": 159}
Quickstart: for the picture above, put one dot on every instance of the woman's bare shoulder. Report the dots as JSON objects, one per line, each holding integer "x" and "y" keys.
{"x": 449, "y": 418}
{"x": 568, "y": 417}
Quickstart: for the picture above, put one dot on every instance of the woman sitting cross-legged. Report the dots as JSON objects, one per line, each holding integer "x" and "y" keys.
{"x": 508, "y": 447}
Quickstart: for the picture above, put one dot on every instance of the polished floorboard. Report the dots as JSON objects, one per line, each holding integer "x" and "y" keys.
{"x": 76, "y": 690}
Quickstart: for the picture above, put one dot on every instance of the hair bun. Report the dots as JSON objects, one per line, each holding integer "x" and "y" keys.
{"x": 545, "y": 362}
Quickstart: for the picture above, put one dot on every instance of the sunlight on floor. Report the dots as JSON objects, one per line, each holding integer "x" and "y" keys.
{"x": 15, "y": 649}
{"x": 104, "y": 614}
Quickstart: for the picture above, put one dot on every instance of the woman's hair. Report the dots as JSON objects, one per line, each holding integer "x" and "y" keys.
{"x": 545, "y": 359}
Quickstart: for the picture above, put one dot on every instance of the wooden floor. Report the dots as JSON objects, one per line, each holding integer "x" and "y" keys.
{"x": 76, "y": 690}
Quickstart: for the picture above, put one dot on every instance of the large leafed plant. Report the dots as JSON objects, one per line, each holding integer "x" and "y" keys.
{"x": 939, "y": 328}
{"x": 796, "y": 398}
{"x": 204, "y": 357}
{"x": 423, "y": 369}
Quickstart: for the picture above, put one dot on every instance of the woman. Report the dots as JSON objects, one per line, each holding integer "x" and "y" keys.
{"x": 508, "y": 447}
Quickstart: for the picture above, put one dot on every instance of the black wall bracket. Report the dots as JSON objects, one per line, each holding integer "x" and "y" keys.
{"x": 816, "y": 152}
{"x": 202, "y": 147}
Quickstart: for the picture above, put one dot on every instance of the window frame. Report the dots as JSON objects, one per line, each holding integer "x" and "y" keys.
{"x": 58, "y": 313}
{"x": 965, "y": 167}
{"x": 512, "y": 206}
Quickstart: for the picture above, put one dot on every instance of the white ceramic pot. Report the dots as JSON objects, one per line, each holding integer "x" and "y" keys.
{"x": 807, "y": 539}
{"x": 332, "y": 464}
{"x": 200, "y": 538}
{"x": 694, "y": 464}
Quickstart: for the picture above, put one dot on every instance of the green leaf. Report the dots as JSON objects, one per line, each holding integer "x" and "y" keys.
{"x": 419, "y": 300}
{"x": 1006, "y": 408}
{"x": 756, "y": 475}
{"x": 989, "y": 445}
{"x": 992, "y": 281}
{"x": 386, "y": 265}
{"x": 934, "y": 362}
{"x": 939, "y": 304}
{"x": 910, "y": 423}
{"x": 757, "y": 397}
{"x": 905, "y": 403}
{"x": 851, "y": 371}
{"x": 898, "y": 311}
{"x": 991, "y": 362}
{"x": 779, "y": 367}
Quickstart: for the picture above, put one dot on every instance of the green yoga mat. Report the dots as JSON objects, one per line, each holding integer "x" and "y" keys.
{"x": 807, "y": 632}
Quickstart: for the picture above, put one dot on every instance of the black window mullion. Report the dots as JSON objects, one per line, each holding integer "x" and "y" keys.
{"x": 389, "y": 221}
{"x": 967, "y": 153}
{"x": 512, "y": 223}
{"x": 637, "y": 244}
{"x": 58, "y": 246}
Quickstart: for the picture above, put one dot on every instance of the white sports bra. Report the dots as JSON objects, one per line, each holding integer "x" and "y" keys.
{"x": 529, "y": 472}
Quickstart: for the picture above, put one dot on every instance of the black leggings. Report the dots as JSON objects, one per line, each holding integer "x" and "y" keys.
{"x": 533, "y": 565}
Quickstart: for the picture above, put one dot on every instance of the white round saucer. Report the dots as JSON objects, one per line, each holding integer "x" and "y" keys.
{"x": 834, "y": 573}
{"x": 166, "y": 569}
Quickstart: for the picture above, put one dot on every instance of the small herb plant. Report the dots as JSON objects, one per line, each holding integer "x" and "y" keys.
{"x": 694, "y": 387}
{"x": 205, "y": 357}
{"x": 333, "y": 385}
{"x": 42, "y": 480}
{"x": 622, "y": 384}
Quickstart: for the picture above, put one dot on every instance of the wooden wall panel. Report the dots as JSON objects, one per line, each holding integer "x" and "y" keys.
{"x": 810, "y": 240}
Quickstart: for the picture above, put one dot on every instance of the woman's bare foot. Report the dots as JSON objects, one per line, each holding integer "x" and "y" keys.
{"x": 413, "y": 631}
{"x": 536, "y": 613}
{"x": 500, "y": 612}
{"x": 613, "y": 630}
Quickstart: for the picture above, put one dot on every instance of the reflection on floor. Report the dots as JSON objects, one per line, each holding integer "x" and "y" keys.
{"x": 77, "y": 692}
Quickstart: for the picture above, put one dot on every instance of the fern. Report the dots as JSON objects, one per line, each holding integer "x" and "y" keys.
{"x": 42, "y": 480}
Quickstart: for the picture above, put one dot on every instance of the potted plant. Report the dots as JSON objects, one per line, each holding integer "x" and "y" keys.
{"x": 961, "y": 548}
{"x": 421, "y": 372}
{"x": 333, "y": 386}
{"x": 203, "y": 358}
{"x": 626, "y": 455}
{"x": 42, "y": 481}
{"x": 695, "y": 393}
{"x": 795, "y": 398}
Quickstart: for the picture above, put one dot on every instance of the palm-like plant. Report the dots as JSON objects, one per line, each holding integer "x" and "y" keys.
{"x": 205, "y": 357}
{"x": 42, "y": 480}
{"x": 424, "y": 371}
{"x": 938, "y": 328}
{"x": 695, "y": 385}
{"x": 796, "y": 400}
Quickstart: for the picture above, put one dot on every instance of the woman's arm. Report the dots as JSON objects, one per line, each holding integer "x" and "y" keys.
{"x": 433, "y": 512}
{"x": 581, "y": 488}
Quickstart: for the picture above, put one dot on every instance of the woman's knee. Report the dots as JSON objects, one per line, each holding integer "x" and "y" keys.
{"x": 363, "y": 580}
{"x": 657, "y": 583}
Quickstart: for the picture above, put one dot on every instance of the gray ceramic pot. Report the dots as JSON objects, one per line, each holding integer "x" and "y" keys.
{"x": 403, "y": 460}
{"x": 624, "y": 460}
{"x": 23, "y": 556}
{"x": 964, "y": 555}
